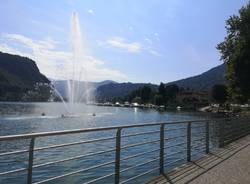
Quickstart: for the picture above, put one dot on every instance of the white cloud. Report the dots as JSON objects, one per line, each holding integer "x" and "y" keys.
{"x": 7, "y": 49}
{"x": 149, "y": 48}
{"x": 157, "y": 36}
{"x": 155, "y": 53}
{"x": 148, "y": 40}
{"x": 91, "y": 11}
{"x": 119, "y": 42}
{"x": 56, "y": 63}
{"x": 132, "y": 47}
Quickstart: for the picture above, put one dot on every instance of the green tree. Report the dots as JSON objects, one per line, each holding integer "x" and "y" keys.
{"x": 171, "y": 93}
{"x": 161, "y": 99}
{"x": 137, "y": 100}
{"x": 168, "y": 93}
{"x": 235, "y": 52}
{"x": 158, "y": 99}
{"x": 162, "y": 90}
{"x": 219, "y": 93}
{"x": 145, "y": 93}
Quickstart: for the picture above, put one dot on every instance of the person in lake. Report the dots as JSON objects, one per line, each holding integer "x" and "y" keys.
{"x": 43, "y": 114}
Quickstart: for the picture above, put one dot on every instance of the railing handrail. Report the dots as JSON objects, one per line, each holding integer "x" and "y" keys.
{"x": 74, "y": 131}
{"x": 162, "y": 128}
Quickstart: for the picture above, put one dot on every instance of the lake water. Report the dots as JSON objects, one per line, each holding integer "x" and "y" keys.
{"x": 20, "y": 118}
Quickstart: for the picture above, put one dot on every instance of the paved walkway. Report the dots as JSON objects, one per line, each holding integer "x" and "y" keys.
{"x": 230, "y": 165}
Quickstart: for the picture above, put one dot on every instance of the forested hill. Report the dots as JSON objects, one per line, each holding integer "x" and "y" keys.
{"x": 111, "y": 90}
{"x": 204, "y": 81}
{"x": 17, "y": 76}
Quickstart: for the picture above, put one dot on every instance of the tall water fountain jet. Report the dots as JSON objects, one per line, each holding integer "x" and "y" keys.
{"x": 77, "y": 89}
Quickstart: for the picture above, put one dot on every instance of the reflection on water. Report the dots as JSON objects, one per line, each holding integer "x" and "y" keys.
{"x": 18, "y": 118}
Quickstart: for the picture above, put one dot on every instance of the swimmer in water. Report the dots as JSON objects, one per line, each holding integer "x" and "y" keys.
{"x": 43, "y": 114}
{"x": 93, "y": 114}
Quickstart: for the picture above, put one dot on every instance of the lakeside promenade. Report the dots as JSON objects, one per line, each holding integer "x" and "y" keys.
{"x": 227, "y": 165}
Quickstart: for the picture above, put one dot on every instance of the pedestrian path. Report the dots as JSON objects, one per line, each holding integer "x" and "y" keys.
{"x": 227, "y": 165}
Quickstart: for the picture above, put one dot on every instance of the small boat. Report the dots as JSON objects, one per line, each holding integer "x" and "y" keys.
{"x": 178, "y": 108}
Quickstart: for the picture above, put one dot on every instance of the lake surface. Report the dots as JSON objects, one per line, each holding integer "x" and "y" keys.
{"x": 20, "y": 118}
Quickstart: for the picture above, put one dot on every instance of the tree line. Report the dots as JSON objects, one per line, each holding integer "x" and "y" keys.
{"x": 235, "y": 53}
{"x": 165, "y": 94}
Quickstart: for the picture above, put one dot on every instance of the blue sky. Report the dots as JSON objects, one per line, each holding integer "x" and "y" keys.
{"x": 138, "y": 41}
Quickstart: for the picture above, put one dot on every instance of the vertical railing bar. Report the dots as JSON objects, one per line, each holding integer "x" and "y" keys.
{"x": 207, "y": 137}
{"x": 224, "y": 128}
{"x": 30, "y": 166}
{"x": 221, "y": 133}
{"x": 162, "y": 149}
{"x": 117, "y": 156}
{"x": 189, "y": 141}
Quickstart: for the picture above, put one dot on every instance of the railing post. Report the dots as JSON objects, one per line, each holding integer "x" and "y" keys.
{"x": 117, "y": 156}
{"x": 207, "y": 137}
{"x": 30, "y": 166}
{"x": 162, "y": 149}
{"x": 221, "y": 133}
{"x": 189, "y": 142}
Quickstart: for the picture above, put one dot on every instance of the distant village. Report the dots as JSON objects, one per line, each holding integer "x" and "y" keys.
{"x": 184, "y": 100}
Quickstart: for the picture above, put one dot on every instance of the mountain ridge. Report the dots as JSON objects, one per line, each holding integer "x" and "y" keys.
{"x": 61, "y": 85}
{"x": 205, "y": 80}
{"x": 201, "y": 82}
{"x": 120, "y": 89}
{"x": 18, "y": 75}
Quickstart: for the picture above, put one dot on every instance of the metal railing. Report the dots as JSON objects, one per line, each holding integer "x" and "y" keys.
{"x": 159, "y": 134}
